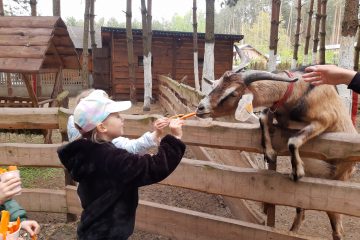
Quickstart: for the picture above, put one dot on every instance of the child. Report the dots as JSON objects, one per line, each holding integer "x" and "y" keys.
{"x": 109, "y": 177}
{"x": 139, "y": 145}
{"x": 8, "y": 189}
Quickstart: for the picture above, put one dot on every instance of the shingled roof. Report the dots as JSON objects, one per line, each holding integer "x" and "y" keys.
{"x": 31, "y": 44}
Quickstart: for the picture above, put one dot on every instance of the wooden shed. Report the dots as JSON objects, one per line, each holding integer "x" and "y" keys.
{"x": 32, "y": 45}
{"x": 172, "y": 55}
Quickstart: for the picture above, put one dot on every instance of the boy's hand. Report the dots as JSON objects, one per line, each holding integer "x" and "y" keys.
{"x": 176, "y": 127}
{"x": 159, "y": 126}
{"x": 9, "y": 188}
{"x": 32, "y": 227}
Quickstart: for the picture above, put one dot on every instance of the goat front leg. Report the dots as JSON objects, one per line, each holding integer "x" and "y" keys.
{"x": 266, "y": 124}
{"x": 295, "y": 142}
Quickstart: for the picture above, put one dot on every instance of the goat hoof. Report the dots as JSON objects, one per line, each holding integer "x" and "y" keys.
{"x": 295, "y": 176}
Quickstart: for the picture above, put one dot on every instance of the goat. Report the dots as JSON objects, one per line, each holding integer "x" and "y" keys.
{"x": 320, "y": 108}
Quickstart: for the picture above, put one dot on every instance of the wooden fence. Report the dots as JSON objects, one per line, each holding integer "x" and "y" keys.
{"x": 229, "y": 181}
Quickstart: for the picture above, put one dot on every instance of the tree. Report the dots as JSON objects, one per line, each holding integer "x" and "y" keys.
{"x": 130, "y": 51}
{"x": 349, "y": 26}
{"x": 316, "y": 31}
{"x": 208, "y": 66}
{"x": 147, "y": 36}
{"x": 85, "y": 53}
{"x": 33, "y": 7}
{"x": 308, "y": 33}
{"x": 2, "y": 13}
{"x": 274, "y": 31}
{"x": 56, "y": 8}
{"x": 195, "y": 43}
{"x": 322, "y": 32}
{"x": 92, "y": 27}
{"x": 297, "y": 36}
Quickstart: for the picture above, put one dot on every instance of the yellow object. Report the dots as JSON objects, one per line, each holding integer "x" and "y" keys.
{"x": 249, "y": 107}
{"x": 12, "y": 168}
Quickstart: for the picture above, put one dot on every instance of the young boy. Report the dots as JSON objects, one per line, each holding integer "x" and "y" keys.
{"x": 109, "y": 177}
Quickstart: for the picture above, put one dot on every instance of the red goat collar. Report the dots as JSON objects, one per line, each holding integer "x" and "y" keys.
{"x": 287, "y": 94}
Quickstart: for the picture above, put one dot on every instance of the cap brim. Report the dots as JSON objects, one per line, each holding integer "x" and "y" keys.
{"x": 118, "y": 106}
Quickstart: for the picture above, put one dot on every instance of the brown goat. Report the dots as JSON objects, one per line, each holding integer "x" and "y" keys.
{"x": 320, "y": 108}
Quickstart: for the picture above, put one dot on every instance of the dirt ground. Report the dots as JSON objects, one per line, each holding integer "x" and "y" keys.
{"x": 54, "y": 226}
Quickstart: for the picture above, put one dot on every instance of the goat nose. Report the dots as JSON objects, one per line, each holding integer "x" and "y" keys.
{"x": 200, "y": 107}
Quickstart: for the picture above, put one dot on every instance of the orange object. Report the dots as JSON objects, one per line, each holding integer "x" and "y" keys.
{"x": 12, "y": 168}
{"x": 34, "y": 237}
{"x": 4, "y": 223}
{"x": 176, "y": 116}
{"x": 188, "y": 115}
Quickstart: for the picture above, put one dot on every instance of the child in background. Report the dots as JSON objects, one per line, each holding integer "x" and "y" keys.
{"x": 109, "y": 177}
{"x": 140, "y": 145}
{"x": 8, "y": 189}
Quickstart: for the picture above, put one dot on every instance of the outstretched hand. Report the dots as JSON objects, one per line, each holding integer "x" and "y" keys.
{"x": 176, "y": 127}
{"x": 32, "y": 227}
{"x": 328, "y": 74}
{"x": 159, "y": 126}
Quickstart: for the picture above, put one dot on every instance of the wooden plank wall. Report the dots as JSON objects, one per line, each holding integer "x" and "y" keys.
{"x": 171, "y": 57}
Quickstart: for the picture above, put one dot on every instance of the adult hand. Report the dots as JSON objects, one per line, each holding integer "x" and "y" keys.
{"x": 31, "y": 226}
{"x": 176, "y": 127}
{"x": 328, "y": 74}
{"x": 8, "y": 188}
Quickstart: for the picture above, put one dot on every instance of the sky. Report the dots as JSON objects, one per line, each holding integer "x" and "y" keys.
{"x": 162, "y": 9}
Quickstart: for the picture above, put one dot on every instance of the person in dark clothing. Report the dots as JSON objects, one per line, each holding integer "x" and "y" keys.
{"x": 332, "y": 74}
{"x": 109, "y": 177}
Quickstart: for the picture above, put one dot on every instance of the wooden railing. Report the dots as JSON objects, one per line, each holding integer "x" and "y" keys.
{"x": 228, "y": 181}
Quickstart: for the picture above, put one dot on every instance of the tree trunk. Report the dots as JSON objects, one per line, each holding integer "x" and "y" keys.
{"x": 33, "y": 7}
{"x": 195, "y": 43}
{"x": 308, "y": 33}
{"x": 316, "y": 32}
{"x": 297, "y": 36}
{"x": 346, "y": 55}
{"x": 56, "y": 8}
{"x": 322, "y": 32}
{"x": 2, "y": 13}
{"x": 357, "y": 50}
{"x": 130, "y": 49}
{"x": 274, "y": 32}
{"x": 208, "y": 66}
{"x": 92, "y": 28}
{"x": 147, "y": 35}
{"x": 85, "y": 53}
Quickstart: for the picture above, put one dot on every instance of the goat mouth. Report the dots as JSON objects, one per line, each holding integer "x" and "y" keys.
{"x": 203, "y": 114}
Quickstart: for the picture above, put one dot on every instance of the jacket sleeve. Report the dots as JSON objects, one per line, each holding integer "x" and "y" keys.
{"x": 143, "y": 170}
{"x": 138, "y": 146}
{"x": 15, "y": 210}
{"x": 355, "y": 83}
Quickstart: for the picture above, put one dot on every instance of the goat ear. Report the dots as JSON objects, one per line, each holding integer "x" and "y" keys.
{"x": 244, "y": 109}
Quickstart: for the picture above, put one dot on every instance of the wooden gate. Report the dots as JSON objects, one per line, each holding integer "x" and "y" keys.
{"x": 101, "y": 71}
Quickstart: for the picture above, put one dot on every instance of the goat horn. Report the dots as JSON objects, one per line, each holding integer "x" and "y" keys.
{"x": 256, "y": 75}
{"x": 244, "y": 60}
{"x": 211, "y": 82}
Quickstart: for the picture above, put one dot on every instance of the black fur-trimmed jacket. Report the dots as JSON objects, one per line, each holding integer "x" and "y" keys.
{"x": 108, "y": 182}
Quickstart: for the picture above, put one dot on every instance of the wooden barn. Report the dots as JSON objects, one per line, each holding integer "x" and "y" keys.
{"x": 172, "y": 55}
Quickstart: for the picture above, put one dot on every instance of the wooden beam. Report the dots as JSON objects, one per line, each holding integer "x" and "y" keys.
{"x": 9, "y": 84}
{"x": 29, "y": 118}
{"x": 271, "y": 187}
{"x": 191, "y": 225}
{"x": 29, "y": 155}
{"x": 27, "y": 65}
{"x": 30, "y": 90}
{"x": 43, "y": 200}
{"x": 192, "y": 96}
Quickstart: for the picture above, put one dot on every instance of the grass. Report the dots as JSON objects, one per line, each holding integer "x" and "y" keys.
{"x": 31, "y": 176}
